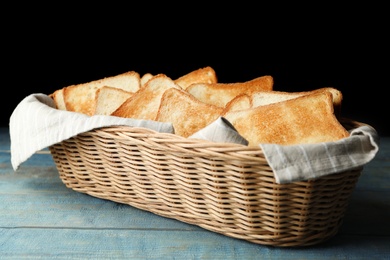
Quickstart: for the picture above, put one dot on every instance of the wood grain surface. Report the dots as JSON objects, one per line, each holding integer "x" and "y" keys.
{"x": 42, "y": 219}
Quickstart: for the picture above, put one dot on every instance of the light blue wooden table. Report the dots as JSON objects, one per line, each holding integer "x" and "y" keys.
{"x": 42, "y": 219}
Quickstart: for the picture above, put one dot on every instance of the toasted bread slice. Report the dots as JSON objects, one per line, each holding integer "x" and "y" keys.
{"x": 240, "y": 102}
{"x": 219, "y": 94}
{"x": 145, "y": 78}
{"x": 108, "y": 99}
{"x": 306, "y": 119}
{"x": 82, "y": 97}
{"x": 261, "y": 98}
{"x": 187, "y": 114}
{"x": 144, "y": 103}
{"x": 202, "y": 75}
{"x": 268, "y": 97}
{"x": 58, "y": 97}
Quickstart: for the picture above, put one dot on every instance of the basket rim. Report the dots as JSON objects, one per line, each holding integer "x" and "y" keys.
{"x": 346, "y": 122}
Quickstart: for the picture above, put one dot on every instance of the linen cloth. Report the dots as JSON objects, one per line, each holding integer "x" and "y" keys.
{"x": 291, "y": 163}
{"x": 35, "y": 124}
{"x": 221, "y": 130}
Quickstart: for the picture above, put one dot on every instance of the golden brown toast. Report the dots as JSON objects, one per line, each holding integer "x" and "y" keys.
{"x": 202, "y": 75}
{"x": 82, "y": 97}
{"x": 306, "y": 119}
{"x": 242, "y": 101}
{"x": 108, "y": 99}
{"x": 261, "y": 98}
{"x": 144, "y": 103}
{"x": 58, "y": 98}
{"x": 187, "y": 114}
{"x": 268, "y": 97}
{"x": 219, "y": 94}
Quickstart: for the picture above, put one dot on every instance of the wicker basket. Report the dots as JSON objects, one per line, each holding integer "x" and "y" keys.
{"x": 225, "y": 188}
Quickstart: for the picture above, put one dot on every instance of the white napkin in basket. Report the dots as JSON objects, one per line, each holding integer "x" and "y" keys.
{"x": 221, "y": 130}
{"x": 36, "y": 124}
{"x": 291, "y": 163}
{"x": 302, "y": 162}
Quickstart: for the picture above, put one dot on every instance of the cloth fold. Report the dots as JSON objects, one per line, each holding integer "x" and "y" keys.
{"x": 35, "y": 124}
{"x": 221, "y": 130}
{"x": 307, "y": 161}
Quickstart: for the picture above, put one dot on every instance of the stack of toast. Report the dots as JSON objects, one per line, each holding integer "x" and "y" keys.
{"x": 259, "y": 113}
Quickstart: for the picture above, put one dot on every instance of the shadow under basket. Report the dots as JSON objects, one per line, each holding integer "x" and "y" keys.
{"x": 225, "y": 188}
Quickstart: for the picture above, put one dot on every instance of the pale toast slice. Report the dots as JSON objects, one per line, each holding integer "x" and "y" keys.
{"x": 108, "y": 99}
{"x": 58, "y": 98}
{"x": 145, "y": 78}
{"x": 202, "y": 75}
{"x": 268, "y": 97}
{"x": 240, "y": 102}
{"x": 219, "y": 94}
{"x": 82, "y": 97}
{"x": 261, "y": 98}
{"x": 144, "y": 103}
{"x": 306, "y": 119}
{"x": 187, "y": 114}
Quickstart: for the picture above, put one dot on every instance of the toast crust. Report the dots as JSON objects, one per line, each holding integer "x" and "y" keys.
{"x": 242, "y": 101}
{"x": 82, "y": 97}
{"x": 269, "y": 97}
{"x": 144, "y": 103}
{"x": 306, "y": 119}
{"x": 261, "y": 98}
{"x": 108, "y": 99}
{"x": 58, "y": 98}
{"x": 187, "y": 114}
{"x": 219, "y": 94}
{"x": 203, "y": 75}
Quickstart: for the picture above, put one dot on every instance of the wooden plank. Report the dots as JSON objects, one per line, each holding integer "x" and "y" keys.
{"x": 39, "y": 198}
{"x": 76, "y": 210}
{"x": 35, "y": 196}
{"x": 33, "y": 187}
{"x": 41, "y": 159}
{"x": 40, "y": 217}
{"x": 18, "y": 243}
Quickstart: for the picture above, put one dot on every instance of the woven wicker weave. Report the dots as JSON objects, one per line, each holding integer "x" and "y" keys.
{"x": 225, "y": 188}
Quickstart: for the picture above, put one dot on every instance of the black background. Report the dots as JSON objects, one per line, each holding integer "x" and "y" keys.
{"x": 40, "y": 56}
